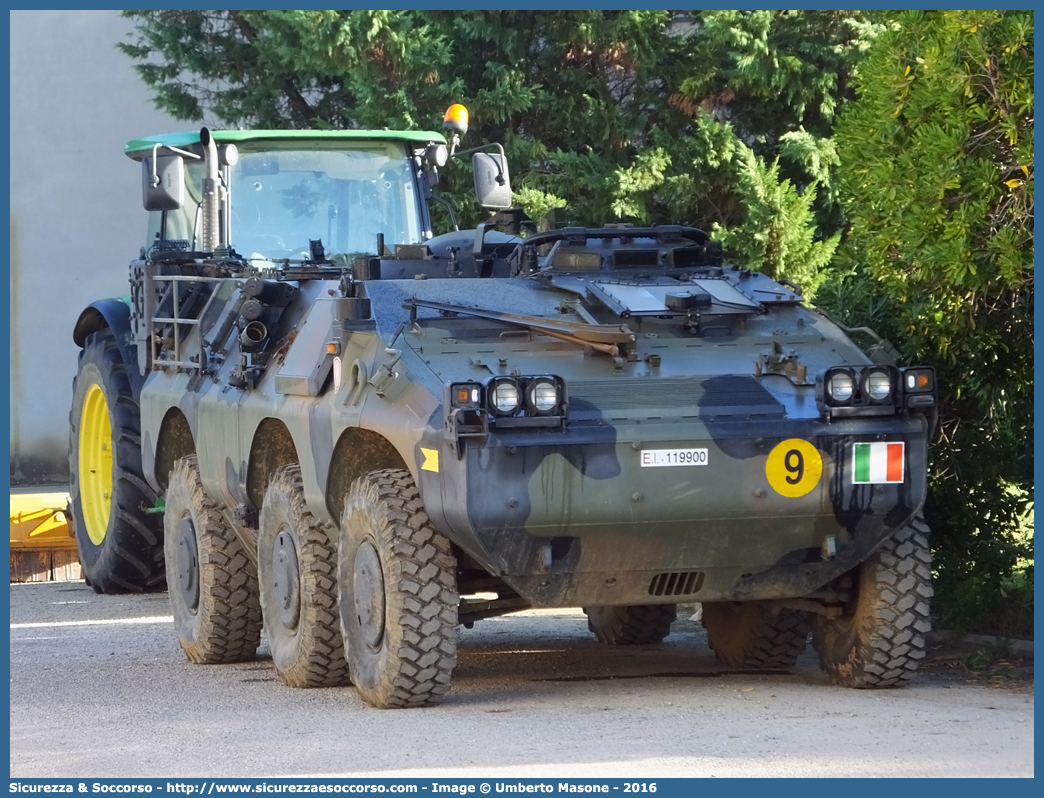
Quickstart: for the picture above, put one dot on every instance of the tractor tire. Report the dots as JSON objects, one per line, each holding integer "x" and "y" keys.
{"x": 297, "y": 571}
{"x": 883, "y": 635}
{"x": 120, "y": 545}
{"x": 397, "y": 592}
{"x": 751, "y": 634}
{"x": 631, "y": 626}
{"x": 213, "y": 584}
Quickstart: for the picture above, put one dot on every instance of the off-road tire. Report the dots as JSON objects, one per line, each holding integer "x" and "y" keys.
{"x": 631, "y": 626}
{"x": 128, "y": 558}
{"x": 397, "y": 592}
{"x": 881, "y": 639}
{"x": 225, "y": 623}
{"x": 300, "y": 616}
{"x": 753, "y": 634}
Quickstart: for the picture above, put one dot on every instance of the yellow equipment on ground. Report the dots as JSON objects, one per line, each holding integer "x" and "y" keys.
{"x": 43, "y": 548}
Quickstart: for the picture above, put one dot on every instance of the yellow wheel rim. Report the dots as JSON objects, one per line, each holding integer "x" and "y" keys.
{"x": 95, "y": 464}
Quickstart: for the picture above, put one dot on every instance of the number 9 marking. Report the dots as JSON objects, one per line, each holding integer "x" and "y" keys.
{"x": 793, "y": 467}
{"x": 794, "y": 463}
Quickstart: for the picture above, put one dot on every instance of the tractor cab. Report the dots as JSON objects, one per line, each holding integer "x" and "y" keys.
{"x": 271, "y": 197}
{"x": 278, "y": 196}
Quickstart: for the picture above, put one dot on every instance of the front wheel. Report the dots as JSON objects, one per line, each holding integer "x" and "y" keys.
{"x": 882, "y": 636}
{"x": 397, "y": 593}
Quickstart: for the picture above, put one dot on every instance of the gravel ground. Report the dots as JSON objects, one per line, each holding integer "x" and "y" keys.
{"x": 100, "y": 688}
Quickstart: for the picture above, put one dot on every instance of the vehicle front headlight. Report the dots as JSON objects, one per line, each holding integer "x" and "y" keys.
{"x": 840, "y": 387}
{"x": 877, "y": 385}
{"x": 504, "y": 397}
{"x": 506, "y": 402}
{"x": 851, "y": 391}
{"x": 543, "y": 395}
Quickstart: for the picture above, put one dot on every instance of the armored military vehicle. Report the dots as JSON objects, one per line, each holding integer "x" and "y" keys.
{"x": 314, "y": 414}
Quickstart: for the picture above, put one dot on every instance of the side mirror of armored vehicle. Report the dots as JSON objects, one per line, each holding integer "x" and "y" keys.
{"x": 492, "y": 184}
{"x": 163, "y": 182}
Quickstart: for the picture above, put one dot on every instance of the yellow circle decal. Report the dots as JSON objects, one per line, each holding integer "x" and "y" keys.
{"x": 794, "y": 467}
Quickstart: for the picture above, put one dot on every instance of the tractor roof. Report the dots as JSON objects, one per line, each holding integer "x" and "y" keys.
{"x": 139, "y": 148}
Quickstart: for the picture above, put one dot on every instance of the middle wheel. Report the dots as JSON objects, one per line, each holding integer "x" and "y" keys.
{"x": 751, "y": 634}
{"x": 631, "y": 626}
{"x": 297, "y": 569}
{"x": 397, "y": 591}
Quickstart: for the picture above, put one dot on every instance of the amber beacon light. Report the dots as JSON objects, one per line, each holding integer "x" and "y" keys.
{"x": 456, "y": 119}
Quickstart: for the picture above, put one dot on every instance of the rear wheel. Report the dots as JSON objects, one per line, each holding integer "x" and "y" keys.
{"x": 752, "y": 634}
{"x": 213, "y": 584}
{"x": 120, "y": 544}
{"x": 631, "y": 626}
{"x": 297, "y": 569}
{"x": 397, "y": 589}
{"x": 882, "y": 637}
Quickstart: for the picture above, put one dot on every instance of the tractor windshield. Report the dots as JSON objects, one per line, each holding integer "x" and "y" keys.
{"x": 283, "y": 198}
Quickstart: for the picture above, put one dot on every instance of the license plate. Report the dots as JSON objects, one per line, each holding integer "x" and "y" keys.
{"x": 659, "y": 458}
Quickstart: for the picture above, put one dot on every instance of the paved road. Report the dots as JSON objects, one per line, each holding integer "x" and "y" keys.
{"x": 99, "y": 688}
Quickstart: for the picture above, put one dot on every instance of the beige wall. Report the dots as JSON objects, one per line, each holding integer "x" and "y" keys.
{"x": 76, "y": 216}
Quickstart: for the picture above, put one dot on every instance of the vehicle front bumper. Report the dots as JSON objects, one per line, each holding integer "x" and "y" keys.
{"x": 573, "y": 518}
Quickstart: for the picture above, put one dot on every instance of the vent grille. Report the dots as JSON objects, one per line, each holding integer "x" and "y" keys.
{"x": 678, "y": 584}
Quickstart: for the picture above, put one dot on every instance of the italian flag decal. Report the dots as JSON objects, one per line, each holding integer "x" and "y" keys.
{"x": 877, "y": 463}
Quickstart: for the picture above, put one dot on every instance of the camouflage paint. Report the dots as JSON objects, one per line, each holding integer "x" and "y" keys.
{"x": 566, "y": 516}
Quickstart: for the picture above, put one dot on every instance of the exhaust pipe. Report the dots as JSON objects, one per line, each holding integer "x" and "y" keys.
{"x": 253, "y": 336}
{"x": 211, "y": 200}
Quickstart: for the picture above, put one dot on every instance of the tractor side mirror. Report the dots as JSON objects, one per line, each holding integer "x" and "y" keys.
{"x": 492, "y": 184}
{"x": 163, "y": 185}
